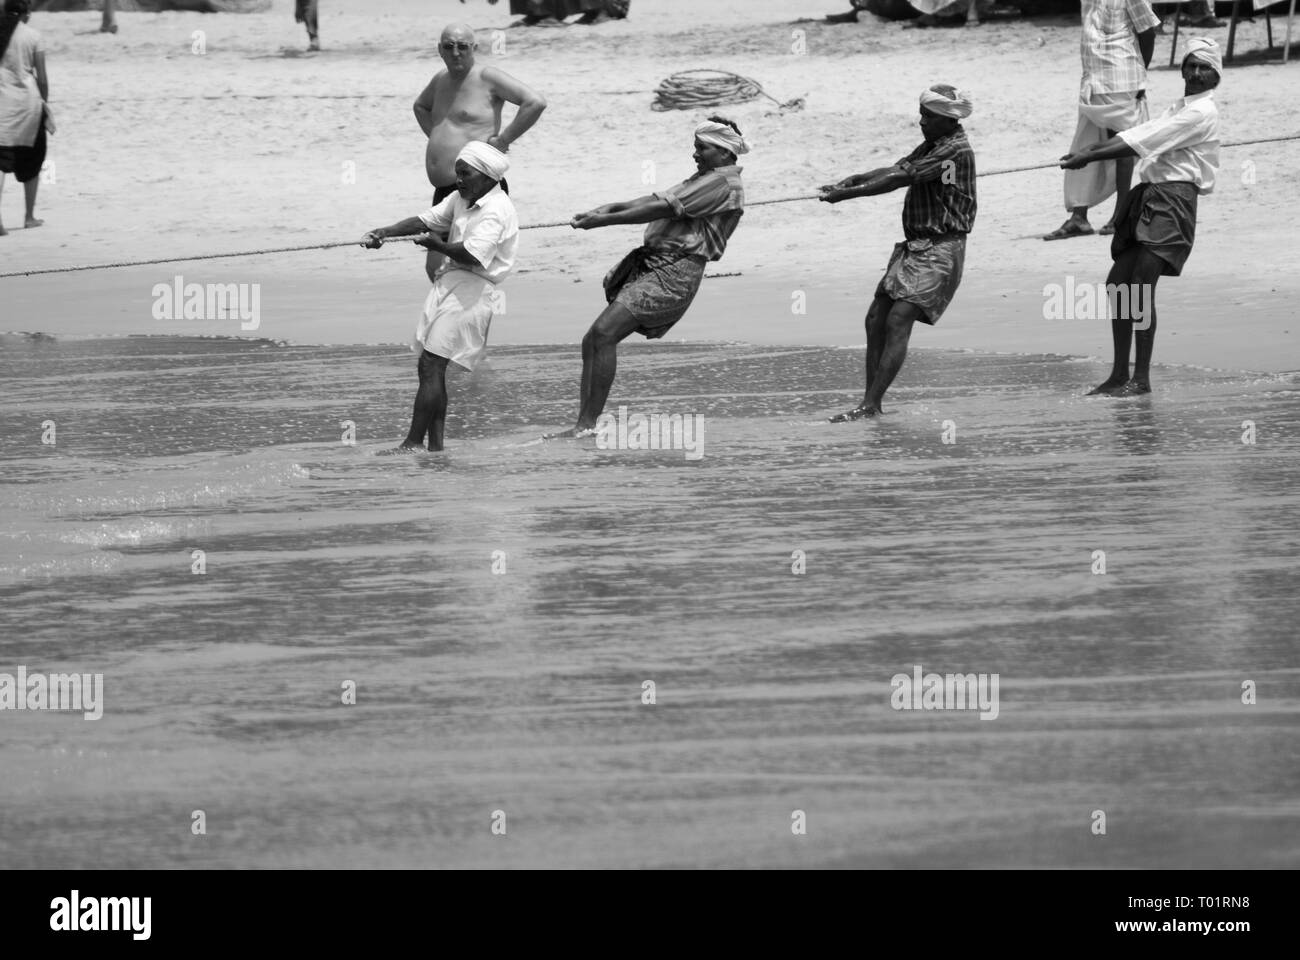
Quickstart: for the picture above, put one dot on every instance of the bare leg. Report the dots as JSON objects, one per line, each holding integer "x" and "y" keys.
{"x": 29, "y": 196}
{"x": 600, "y": 360}
{"x": 430, "y": 409}
{"x": 313, "y": 34}
{"x": 3, "y": 231}
{"x": 898, "y": 331}
{"x": 1134, "y": 276}
{"x": 108, "y": 24}
{"x": 877, "y": 313}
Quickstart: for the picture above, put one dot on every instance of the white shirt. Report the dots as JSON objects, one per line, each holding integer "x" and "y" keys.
{"x": 1180, "y": 144}
{"x": 20, "y": 98}
{"x": 1112, "y": 62}
{"x": 489, "y": 229}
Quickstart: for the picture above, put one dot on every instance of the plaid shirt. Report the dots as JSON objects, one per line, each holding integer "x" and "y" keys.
{"x": 941, "y": 199}
{"x": 1112, "y": 62}
{"x": 707, "y": 206}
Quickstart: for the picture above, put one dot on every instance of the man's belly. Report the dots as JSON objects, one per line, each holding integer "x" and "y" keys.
{"x": 446, "y": 140}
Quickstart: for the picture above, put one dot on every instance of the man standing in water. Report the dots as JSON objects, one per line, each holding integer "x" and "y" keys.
{"x": 652, "y": 287}
{"x": 1155, "y": 228}
{"x": 925, "y": 269}
{"x": 463, "y": 103}
{"x": 477, "y": 232}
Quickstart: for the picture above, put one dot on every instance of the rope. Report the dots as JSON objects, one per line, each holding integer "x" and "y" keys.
{"x": 529, "y": 226}
{"x": 688, "y": 91}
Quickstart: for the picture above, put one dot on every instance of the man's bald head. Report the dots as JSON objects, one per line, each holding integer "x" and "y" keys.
{"x": 457, "y": 46}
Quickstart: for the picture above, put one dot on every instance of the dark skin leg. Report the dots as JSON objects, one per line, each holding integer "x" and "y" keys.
{"x": 1137, "y": 270}
{"x": 599, "y": 363}
{"x": 889, "y": 328}
{"x": 430, "y": 409}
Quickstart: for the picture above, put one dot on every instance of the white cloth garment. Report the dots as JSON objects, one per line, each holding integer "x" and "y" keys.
{"x": 1091, "y": 186}
{"x": 458, "y": 310}
{"x": 456, "y": 318}
{"x": 1180, "y": 144}
{"x": 20, "y": 98}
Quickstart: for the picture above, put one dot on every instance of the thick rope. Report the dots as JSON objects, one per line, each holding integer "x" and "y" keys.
{"x": 689, "y": 90}
{"x": 529, "y": 226}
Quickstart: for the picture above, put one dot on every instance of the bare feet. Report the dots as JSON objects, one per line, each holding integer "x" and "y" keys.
{"x": 1134, "y": 388}
{"x": 850, "y": 17}
{"x": 857, "y": 413}
{"x": 573, "y": 433}
{"x": 1111, "y": 388}
{"x": 314, "y": 45}
{"x": 1108, "y": 229}
{"x": 3, "y": 232}
{"x": 32, "y": 222}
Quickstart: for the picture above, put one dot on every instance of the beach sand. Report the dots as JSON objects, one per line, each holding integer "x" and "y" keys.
{"x": 499, "y": 607}
{"x": 245, "y": 147}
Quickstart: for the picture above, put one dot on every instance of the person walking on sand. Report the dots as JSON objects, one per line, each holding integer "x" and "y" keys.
{"x": 1116, "y": 43}
{"x": 24, "y": 108}
{"x": 463, "y": 102}
{"x": 1156, "y": 227}
{"x": 476, "y": 231}
{"x": 938, "y": 212}
{"x": 652, "y": 287}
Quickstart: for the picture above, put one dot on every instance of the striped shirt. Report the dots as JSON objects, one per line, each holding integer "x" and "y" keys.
{"x": 1112, "y": 62}
{"x": 941, "y": 199}
{"x": 706, "y": 208}
{"x": 1180, "y": 144}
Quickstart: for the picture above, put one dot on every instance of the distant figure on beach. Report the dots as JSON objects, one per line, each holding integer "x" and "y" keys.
{"x": 477, "y": 233}
{"x": 1116, "y": 44}
{"x": 24, "y": 111}
{"x": 538, "y": 12}
{"x": 938, "y": 212}
{"x": 651, "y": 288}
{"x": 108, "y": 20}
{"x": 1155, "y": 228}
{"x": 462, "y": 103}
{"x": 306, "y": 13}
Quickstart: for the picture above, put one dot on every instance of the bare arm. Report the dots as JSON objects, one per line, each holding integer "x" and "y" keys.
{"x": 1112, "y": 149}
{"x": 424, "y": 107}
{"x": 42, "y": 81}
{"x": 1147, "y": 45}
{"x": 530, "y": 104}
{"x": 413, "y": 226}
{"x": 640, "y": 210}
{"x": 882, "y": 180}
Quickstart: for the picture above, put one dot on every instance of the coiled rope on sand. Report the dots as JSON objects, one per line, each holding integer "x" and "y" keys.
{"x": 528, "y": 226}
{"x": 694, "y": 89}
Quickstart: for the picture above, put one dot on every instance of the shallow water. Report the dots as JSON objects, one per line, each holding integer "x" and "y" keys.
{"x": 520, "y": 690}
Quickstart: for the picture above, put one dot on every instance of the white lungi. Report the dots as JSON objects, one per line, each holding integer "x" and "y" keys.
{"x": 456, "y": 317}
{"x": 1104, "y": 111}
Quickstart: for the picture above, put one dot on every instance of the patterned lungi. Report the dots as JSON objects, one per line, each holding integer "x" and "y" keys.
{"x": 926, "y": 273}
{"x": 655, "y": 287}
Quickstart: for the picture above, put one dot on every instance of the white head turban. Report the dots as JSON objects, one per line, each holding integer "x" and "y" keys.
{"x": 720, "y": 135}
{"x": 1207, "y": 51}
{"x": 484, "y": 159}
{"x": 946, "y": 100}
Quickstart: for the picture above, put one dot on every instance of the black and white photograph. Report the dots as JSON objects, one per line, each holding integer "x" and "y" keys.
{"x": 630, "y": 435}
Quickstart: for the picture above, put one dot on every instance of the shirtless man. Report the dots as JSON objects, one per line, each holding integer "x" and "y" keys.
{"x": 463, "y": 103}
